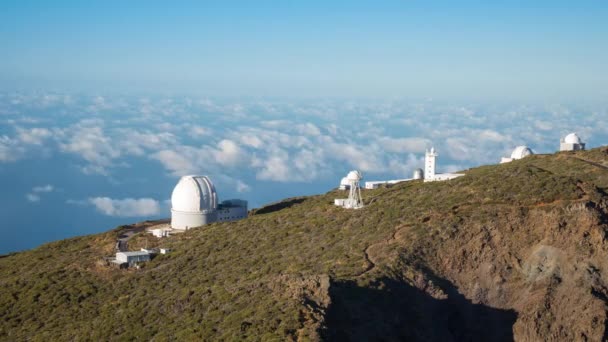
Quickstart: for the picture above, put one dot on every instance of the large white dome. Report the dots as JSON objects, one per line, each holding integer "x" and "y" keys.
{"x": 194, "y": 194}
{"x": 572, "y": 138}
{"x": 520, "y": 152}
{"x": 354, "y": 176}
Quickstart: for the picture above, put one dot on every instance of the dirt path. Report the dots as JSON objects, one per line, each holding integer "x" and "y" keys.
{"x": 590, "y": 162}
{"x": 367, "y": 252}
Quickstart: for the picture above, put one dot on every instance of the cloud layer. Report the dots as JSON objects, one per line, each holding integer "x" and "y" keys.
{"x": 127, "y": 207}
{"x": 280, "y": 141}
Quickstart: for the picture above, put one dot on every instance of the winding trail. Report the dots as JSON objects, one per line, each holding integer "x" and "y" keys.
{"x": 372, "y": 263}
{"x": 590, "y": 162}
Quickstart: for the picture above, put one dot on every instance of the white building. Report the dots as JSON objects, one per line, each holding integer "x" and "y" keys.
{"x": 194, "y": 203}
{"x": 571, "y": 142}
{"x": 430, "y": 166}
{"x": 160, "y": 232}
{"x": 518, "y": 153}
{"x": 354, "y": 200}
{"x": 132, "y": 258}
{"x": 418, "y": 174}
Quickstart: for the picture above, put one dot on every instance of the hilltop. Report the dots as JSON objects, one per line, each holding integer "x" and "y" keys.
{"x": 510, "y": 251}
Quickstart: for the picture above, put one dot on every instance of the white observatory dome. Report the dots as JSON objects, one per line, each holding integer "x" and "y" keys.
{"x": 194, "y": 194}
{"x": 521, "y": 151}
{"x": 418, "y": 174}
{"x": 344, "y": 181}
{"x": 572, "y": 138}
{"x": 354, "y": 176}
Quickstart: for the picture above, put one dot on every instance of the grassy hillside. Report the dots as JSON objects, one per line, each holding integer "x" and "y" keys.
{"x": 509, "y": 251}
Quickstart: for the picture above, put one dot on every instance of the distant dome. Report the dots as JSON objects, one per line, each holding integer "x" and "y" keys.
{"x": 344, "y": 181}
{"x": 418, "y": 174}
{"x": 194, "y": 194}
{"x": 354, "y": 176}
{"x": 572, "y": 138}
{"x": 520, "y": 152}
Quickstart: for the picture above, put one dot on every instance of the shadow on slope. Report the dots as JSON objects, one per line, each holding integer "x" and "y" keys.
{"x": 391, "y": 310}
{"x": 278, "y": 206}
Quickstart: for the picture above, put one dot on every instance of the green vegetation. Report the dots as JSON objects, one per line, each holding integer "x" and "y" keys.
{"x": 239, "y": 281}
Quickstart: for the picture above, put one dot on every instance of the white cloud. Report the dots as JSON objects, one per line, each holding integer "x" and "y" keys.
{"x": 275, "y": 168}
{"x": 128, "y": 207}
{"x": 251, "y": 140}
{"x": 242, "y": 187}
{"x": 35, "y": 194}
{"x": 177, "y": 162}
{"x": 198, "y": 131}
{"x": 33, "y": 136}
{"x": 32, "y": 198}
{"x": 362, "y": 158}
{"x": 9, "y": 149}
{"x": 402, "y": 145}
{"x": 91, "y": 144}
{"x": 43, "y": 188}
{"x": 228, "y": 153}
{"x": 308, "y": 129}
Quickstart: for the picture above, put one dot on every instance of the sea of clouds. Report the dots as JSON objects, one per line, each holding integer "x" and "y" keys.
{"x": 73, "y": 159}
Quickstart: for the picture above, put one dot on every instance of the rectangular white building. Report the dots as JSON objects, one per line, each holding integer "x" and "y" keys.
{"x": 132, "y": 257}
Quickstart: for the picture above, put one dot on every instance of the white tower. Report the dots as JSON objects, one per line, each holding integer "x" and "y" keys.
{"x": 429, "y": 165}
{"x": 354, "y": 200}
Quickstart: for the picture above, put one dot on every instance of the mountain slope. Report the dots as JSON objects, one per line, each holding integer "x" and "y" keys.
{"x": 509, "y": 251}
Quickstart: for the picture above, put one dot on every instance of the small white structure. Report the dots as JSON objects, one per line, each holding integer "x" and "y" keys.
{"x": 429, "y": 168}
{"x": 376, "y": 184}
{"x": 572, "y": 142}
{"x": 160, "y": 233}
{"x": 418, "y": 174}
{"x": 354, "y": 200}
{"x": 132, "y": 258}
{"x": 194, "y": 203}
{"x": 344, "y": 184}
{"x": 165, "y": 250}
{"x": 519, "y": 152}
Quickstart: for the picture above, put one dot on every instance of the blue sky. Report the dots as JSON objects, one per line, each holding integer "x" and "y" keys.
{"x": 547, "y": 49}
{"x": 104, "y": 105}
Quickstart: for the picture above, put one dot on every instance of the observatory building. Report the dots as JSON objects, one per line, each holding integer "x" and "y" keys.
{"x": 354, "y": 200}
{"x": 429, "y": 168}
{"x": 518, "y": 153}
{"x": 418, "y": 174}
{"x": 194, "y": 203}
{"x": 344, "y": 184}
{"x": 571, "y": 142}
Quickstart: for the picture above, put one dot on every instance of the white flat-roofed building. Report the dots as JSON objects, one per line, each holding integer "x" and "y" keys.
{"x": 418, "y": 174}
{"x": 232, "y": 210}
{"x": 132, "y": 258}
{"x": 376, "y": 184}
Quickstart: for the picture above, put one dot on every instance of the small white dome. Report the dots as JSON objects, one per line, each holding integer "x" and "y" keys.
{"x": 521, "y": 151}
{"x": 194, "y": 194}
{"x": 354, "y": 176}
{"x": 572, "y": 138}
{"x": 418, "y": 174}
{"x": 344, "y": 181}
